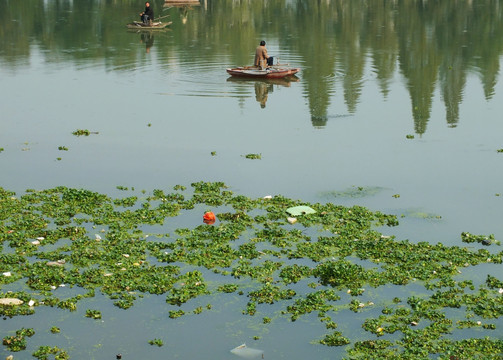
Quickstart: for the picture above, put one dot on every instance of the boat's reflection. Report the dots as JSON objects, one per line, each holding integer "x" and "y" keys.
{"x": 264, "y": 86}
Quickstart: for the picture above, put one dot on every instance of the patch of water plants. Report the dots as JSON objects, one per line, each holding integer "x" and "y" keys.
{"x": 326, "y": 263}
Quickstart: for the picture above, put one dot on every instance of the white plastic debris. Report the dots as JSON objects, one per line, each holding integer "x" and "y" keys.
{"x": 35, "y": 242}
{"x": 31, "y": 302}
{"x": 98, "y": 238}
{"x": 40, "y": 238}
{"x": 291, "y": 220}
{"x": 246, "y": 352}
{"x": 7, "y": 273}
{"x": 10, "y": 301}
{"x": 267, "y": 197}
{"x": 56, "y": 263}
{"x": 300, "y": 210}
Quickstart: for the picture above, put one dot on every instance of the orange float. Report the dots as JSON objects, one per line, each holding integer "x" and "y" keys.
{"x": 209, "y": 217}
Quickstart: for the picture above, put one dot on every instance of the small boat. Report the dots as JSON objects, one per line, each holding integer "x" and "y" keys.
{"x": 138, "y": 25}
{"x": 270, "y": 72}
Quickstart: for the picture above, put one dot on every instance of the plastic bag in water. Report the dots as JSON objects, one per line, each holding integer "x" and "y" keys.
{"x": 247, "y": 353}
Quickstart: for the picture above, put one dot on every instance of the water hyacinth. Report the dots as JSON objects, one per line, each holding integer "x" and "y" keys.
{"x": 334, "y": 253}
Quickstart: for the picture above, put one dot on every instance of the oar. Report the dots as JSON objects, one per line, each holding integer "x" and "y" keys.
{"x": 162, "y": 17}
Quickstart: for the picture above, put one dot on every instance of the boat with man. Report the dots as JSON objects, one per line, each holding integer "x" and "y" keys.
{"x": 139, "y": 25}
{"x": 269, "y": 72}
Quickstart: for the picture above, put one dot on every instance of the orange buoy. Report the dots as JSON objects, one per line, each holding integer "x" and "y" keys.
{"x": 209, "y": 217}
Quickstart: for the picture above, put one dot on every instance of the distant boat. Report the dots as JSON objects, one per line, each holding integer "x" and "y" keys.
{"x": 271, "y": 72}
{"x": 138, "y": 25}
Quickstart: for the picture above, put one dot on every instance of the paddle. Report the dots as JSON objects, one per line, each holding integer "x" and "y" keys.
{"x": 162, "y": 17}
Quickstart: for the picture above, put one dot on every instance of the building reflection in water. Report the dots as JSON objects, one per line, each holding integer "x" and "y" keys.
{"x": 183, "y": 5}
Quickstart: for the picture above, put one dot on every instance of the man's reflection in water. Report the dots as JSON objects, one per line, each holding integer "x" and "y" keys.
{"x": 261, "y": 92}
{"x": 148, "y": 39}
{"x": 184, "y": 14}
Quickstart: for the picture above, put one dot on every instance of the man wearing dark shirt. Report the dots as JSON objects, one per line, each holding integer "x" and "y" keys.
{"x": 148, "y": 15}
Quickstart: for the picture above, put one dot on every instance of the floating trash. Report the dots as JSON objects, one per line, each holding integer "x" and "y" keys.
{"x": 300, "y": 210}
{"x": 7, "y": 274}
{"x": 291, "y": 220}
{"x": 10, "y": 301}
{"x": 56, "y": 263}
{"x": 247, "y": 353}
{"x": 209, "y": 217}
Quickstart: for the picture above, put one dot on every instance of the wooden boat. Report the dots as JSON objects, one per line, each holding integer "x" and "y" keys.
{"x": 271, "y": 72}
{"x": 138, "y": 25}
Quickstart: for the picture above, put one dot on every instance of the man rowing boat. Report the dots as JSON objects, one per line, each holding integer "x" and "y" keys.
{"x": 261, "y": 58}
{"x": 147, "y": 16}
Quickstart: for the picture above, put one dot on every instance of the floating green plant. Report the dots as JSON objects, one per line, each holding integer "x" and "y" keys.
{"x": 324, "y": 264}
{"x": 253, "y": 156}
{"x": 157, "y": 342}
{"x": 81, "y": 132}
{"x": 93, "y": 314}
{"x": 176, "y": 313}
{"x": 43, "y": 353}
{"x": 481, "y": 239}
{"x": 63, "y": 148}
{"x": 18, "y": 342}
{"x": 409, "y": 136}
{"x": 335, "y": 339}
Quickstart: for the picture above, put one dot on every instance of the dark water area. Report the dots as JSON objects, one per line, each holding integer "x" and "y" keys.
{"x": 397, "y": 108}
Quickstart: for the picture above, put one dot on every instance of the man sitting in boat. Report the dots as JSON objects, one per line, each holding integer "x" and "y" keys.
{"x": 262, "y": 60}
{"x": 148, "y": 15}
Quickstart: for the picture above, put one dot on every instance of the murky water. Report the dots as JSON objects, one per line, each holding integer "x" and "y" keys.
{"x": 373, "y": 72}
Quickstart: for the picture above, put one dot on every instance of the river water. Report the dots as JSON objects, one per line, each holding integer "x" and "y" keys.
{"x": 401, "y": 98}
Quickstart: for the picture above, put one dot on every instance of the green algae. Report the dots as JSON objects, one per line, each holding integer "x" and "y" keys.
{"x": 354, "y": 192}
{"x": 90, "y": 241}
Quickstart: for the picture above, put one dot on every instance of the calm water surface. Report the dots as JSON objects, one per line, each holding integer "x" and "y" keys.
{"x": 373, "y": 72}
